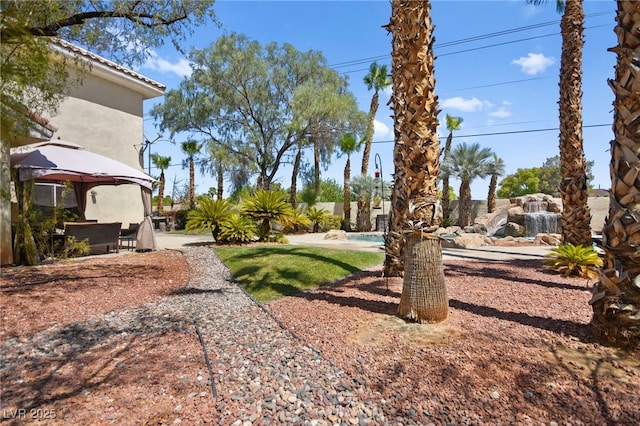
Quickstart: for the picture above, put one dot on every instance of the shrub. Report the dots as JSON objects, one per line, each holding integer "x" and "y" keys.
{"x": 237, "y": 229}
{"x": 267, "y": 207}
{"x": 181, "y": 217}
{"x": 297, "y": 223}
{"x": 209, "y": 215}
{"x": 582, "y": 261}
{"x": 76, "y": 248}
{"x": 317, "y": 217}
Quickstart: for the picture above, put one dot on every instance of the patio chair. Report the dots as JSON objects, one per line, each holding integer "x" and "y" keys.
{"x": 128, "y": 236}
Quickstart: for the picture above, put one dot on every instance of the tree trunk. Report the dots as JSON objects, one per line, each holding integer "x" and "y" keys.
{"x": 366, "y": 153}
{"x": 445, "y": 180}
{"x": 576, "y": 217}
{"x": 25, "y": 250}
{"x": 293, "y": 195}
{"x": 363, "y": 218}
{"x": 220, "y": 188}
{"x": 161, "y": 193}
{"x": 424, "y": 293}
{"x": 316, "y": 169}
{"x": 491, "y": 197}
{"x": 414, "y": 196}
{"x": 346, "y": 206}
{"x": 616, "y": 298}
{"x": 464, "y": 206}
{"x": 192, "y": 184}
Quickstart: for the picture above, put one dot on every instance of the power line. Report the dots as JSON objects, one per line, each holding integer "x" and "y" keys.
{"x": 514, "y": 132}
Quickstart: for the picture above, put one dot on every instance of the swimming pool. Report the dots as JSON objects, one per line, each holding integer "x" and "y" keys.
{"x": 374, "y": 238}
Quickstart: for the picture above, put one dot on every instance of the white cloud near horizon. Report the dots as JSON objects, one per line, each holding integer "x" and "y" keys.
{"x": 181, "y": 68}
{"x": 466, "y": 105}
{"x": 381, "y": 131}
{"x": 534, "y": 63}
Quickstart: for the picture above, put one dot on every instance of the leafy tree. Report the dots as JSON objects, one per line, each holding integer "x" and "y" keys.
{"x": 453, "y": 124}
{"x": 34, "y": 76}
{"x": 524, "y": 181}
{"x": 550, "y": 175}
{"x": 496, "y": 168}
{"x": 191, "y": 148}
{"x": 377, "y": 79}
{"x": 466, "y": 163}
{"x": 259, "y": 103}
{"x": 162, "y": 163}
{"x": 330, "y": 192}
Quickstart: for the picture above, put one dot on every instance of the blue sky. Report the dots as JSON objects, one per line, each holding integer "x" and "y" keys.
{"x": 497, "y": 67}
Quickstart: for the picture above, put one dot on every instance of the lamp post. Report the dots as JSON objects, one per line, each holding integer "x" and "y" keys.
{"x": 378, "y": 175}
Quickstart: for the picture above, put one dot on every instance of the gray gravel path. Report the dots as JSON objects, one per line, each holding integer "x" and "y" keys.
{"x": 262, "y": 372}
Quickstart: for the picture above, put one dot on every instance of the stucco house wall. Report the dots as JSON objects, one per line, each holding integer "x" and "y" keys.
{"x": 105, "y": 115}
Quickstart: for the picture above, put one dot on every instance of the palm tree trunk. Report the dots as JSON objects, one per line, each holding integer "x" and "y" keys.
{"x": 161, "y": 194}
{"x": 414, "y": 196}
{"x": 293, "y": 196}
{"x": 219, "y": 192}
{"x": 363, "y": 218}
{"x": 316, "y": 168}
{"x": 445, "y": 179}
{"x": 616, "y": 299}
{"x": 346, "y": 206}
{"x": 576, "y": 217}
{"x": 424, "y": 295}
{"x": 464, "y": 208}
{"x": 192, "y": 184}
{"x": 366, "y": 153}
{"x": 491, "y": 197}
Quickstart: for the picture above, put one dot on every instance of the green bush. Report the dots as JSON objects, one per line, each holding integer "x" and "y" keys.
{"x": 76, "y": 248}
{"x": 267, "y": 208}
{"x": 237, "y": 229}
{"x": 317, "y": 217}
{"x": 569, "y": 259}
{"x": 296, "y": 224}
{"x": 209, "y": 215}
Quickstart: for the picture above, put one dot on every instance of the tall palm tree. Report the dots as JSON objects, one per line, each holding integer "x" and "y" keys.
{"x": 348, "y": 145}
{"x": 576, "y": 216}
{"x": 161, "y": 163}
{"x": 467, "y": 162}
{"x": 415, "y": 210}
{"x": 191, "y": 148}
{"x": 377, "y": 79}
{"x": 616, "y": 299}
{"x": 496, "y": 169}
{"x": 453, "y": 123}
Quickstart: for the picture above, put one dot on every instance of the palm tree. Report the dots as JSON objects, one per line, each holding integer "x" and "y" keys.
{"x": 616, "y": 299}
{"x": 496, "y": 169}
{"x": 576, "y": 217}
{"x": 266, "y": 207}
{"x": 466, "y": 163}
{"x": 453, "y": 123}
{"x": 415, "y": 210}
{"x": 348, "y": 145}
{"x": 377, "y": 79}
{"x": 161, "y": 163}
{"x": 191, "y": 148}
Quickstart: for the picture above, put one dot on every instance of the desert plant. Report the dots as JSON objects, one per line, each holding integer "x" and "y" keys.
{"x": 298, "y": 222}
{"x": 237, "y": 229}
{"x": 209, "y": 215}
{"x": 317, "y": 216}
{"x": 579, "y": 260}
{"x": 267, "y": 207}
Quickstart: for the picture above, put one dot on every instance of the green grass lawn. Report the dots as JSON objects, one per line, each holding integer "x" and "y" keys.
{"x": 271, "y": 272}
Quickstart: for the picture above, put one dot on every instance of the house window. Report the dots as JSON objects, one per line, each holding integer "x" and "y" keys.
{"x": 54, "y": 195}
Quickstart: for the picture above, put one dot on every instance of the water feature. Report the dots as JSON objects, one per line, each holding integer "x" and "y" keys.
{"x": 538, "y": 220}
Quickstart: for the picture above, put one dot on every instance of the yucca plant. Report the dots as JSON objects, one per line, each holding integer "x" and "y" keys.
{"x": 579, "y": 260}
{"x": 317, "y": 216}
{"x": 267, "y": 207}
{"x": 209, "y": 215}
{"x": 237, "y": 229}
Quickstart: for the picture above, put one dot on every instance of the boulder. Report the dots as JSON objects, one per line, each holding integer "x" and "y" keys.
{"x": 335, "y": 234}
{"x": 513, "y": 229}
{"x": 548, "y": 239}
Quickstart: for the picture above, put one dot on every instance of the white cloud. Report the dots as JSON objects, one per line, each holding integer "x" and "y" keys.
{"x": 534, "y": 63}
{"x": 381, "y": 131}
{"x": 466, "y": 105}
{"x": 501, "y": 112}
{"x": 181, "y": 68}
